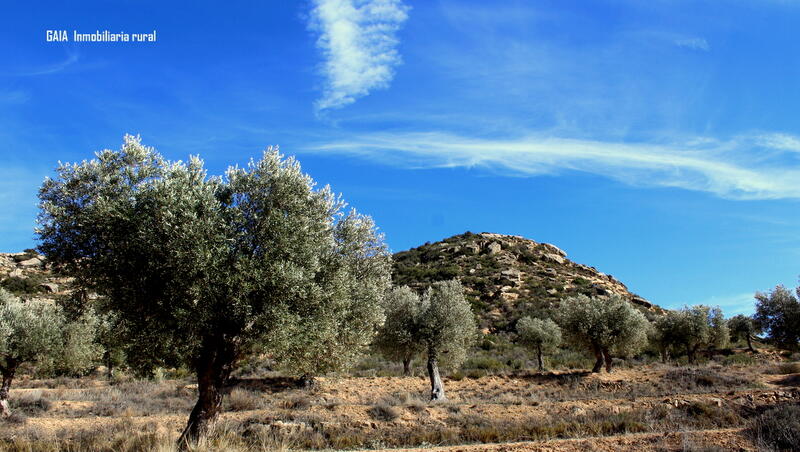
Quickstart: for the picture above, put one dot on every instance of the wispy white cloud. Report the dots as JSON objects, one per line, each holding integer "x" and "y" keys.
{"x": 743, "y": 303}
{"x": 693, "y": 44}
{"x": 731, "y": 169}
{"x": 358, "y": 41}
{"x": 71, "y": 58}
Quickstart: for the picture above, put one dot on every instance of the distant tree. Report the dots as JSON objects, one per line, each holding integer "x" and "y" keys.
{"x": 605, "y": 325}
{"x": 204, "y": 271}
{"x": 543, "y": 336}
{"x": 398, "y": 338}
{"x": 446, "y": 329}
{"x": 693, "y": 328}
{"x": 743, "y": 327}
{"x": 778, "y": 315}
{"x": 36, "y": 331}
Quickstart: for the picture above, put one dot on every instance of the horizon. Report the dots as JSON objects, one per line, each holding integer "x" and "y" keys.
{"x": 655, "y": 142}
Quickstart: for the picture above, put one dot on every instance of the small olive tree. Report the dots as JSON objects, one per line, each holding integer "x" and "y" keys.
{"x": 202, "y": 271}
{"x": 446, "y": 329}
{"x": 693, "y": 328}
{"x": 37, "y": 331}
{"x": 543, "y": 336}
{"x": 605, "y": 325}
{"x": 778, "y": 315}
{"x": 743, "y": 327}
{"x": 398, "y": 338}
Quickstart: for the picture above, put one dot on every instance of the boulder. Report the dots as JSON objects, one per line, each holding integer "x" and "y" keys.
{"x": 33, "y": 262}
{"x": 494, "y": 248}
{"x": 49, "y": 287}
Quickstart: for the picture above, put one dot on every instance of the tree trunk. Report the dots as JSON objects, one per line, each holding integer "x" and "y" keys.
{"x": 607, "y": 357}
{"x": 750, "y": 343}
{"x": 599, "y": 363}
{"x": 690, "y": 354}
{"x": 213, "y": 367}
{"x": 437, "y": 388}
{"x": 8, "y": 375}
{"x": 539, "y": 357}
{"x": 406, "y": 367}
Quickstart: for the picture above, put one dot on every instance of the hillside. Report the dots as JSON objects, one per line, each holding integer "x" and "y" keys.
{"x": 506, "y": 276}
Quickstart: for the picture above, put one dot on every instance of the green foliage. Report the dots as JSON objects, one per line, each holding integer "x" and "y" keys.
{"x": 691, "y": 328}
{"x": 446, "y": 323}
{"x": 398, "y": 339}
{"x": 778, "y": 314}
{"x": 539, "y": 334}
{"x": 36, "y": 331}
{"x": 205, "y": 268}
{"x": 610, "y": 323}
{"x": 22, "y": 286}
{"x": 743, "y": 327}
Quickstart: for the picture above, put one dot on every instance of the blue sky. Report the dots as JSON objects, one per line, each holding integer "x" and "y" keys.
{"x": 657, "y": 141}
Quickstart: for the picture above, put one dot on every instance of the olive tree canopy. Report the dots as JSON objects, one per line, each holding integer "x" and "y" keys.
{"x": 778, "y": 315}
{"x": 692, "y": 328}
{"x": 203, "y": 270}
{"x": 37, "y": 331}
{"x": 446, "y": 328}
{"x": 744, "y": 327}
{"x": 543, "y": 336}
{"x": 398, "y": 338}
{"x": 605, "y": 325}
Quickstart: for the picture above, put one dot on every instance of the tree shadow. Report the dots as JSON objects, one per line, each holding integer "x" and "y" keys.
{"x": 553, "y": 377}
{"x": 789, "y": 380}
{"x": 266, "y": 384}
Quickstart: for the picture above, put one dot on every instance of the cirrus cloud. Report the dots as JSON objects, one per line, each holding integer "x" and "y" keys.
{"x": 358, "y": 42}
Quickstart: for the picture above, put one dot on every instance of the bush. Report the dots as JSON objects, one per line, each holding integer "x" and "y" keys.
{"x": 31, "y": 403}
{"x": 788, "y": 368}
{"x": 19, "y": 285}
{"x": 383, "y": 412}
{"x": 778, "y": 428}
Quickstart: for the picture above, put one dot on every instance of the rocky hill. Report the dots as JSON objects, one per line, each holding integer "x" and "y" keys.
{"x": 506, "y": 276}
{"x": 25, "y": 274}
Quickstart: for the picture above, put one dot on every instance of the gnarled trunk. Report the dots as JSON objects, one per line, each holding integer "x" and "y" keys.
{"x": 406, "y": 367}
{"x": 608, "y": 360}
{"x": 690, "y": 354}
{"x": 539, "y": 357}
{"x": 8, "y": 375}
{"x": 213, "y": 367}
{"x": 750, "y": 343}
{"x": 437, "y": 388}
{"x": 598, "y": 354}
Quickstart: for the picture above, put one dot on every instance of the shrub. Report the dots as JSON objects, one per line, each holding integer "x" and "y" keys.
{"x": 788, "y": 368}
{"x": 383, "y": 412}
{"x": 22, "y": 286}
{"x": 778, "y": 428}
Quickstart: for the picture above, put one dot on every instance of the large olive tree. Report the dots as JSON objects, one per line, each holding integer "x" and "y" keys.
{"x": 37, "y": 331}
{"x": 398, "y": 338}
{"x": 446, "y": 328}
{"x": 542, "y": 335}
{"x": 203, "y": 270}
{"x": 744, "y": 327}
{"x": 605, "y": 325}
{"x": 691, "y": 329}
{"x": 778, "y": 314}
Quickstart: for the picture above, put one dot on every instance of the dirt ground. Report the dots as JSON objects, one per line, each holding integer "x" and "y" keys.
{"x": 655, "y": 407}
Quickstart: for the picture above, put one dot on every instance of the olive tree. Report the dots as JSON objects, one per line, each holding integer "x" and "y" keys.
{"x": 605, "y": 325}
{"x": 398, "y": 338}
{"x": 202, "y": 271}
{"x": 446, "y": 328}
{"x": 692, "y": 328}
{"x": 778, "y": 315}
{"x": 37, "y": 331}
{"x": 744, "y": 327}
{"x": 543, "y": 336}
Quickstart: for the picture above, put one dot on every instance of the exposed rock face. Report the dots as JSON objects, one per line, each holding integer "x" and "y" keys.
{"x": 507, "y": 276}
{"x": 27, "y": 275}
